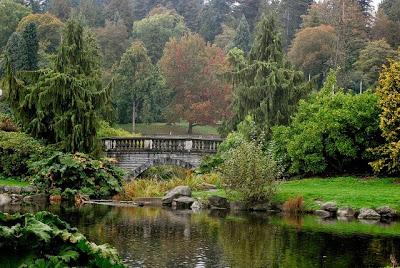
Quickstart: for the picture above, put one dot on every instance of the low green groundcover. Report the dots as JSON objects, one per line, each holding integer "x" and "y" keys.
{"x": 43, "y": 240}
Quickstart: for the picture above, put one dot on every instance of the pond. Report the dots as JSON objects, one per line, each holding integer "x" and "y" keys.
{"x": 157, "y": 237}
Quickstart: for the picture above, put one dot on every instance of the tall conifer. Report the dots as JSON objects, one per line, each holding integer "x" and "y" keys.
{"x": 267, "y": 87}
{"x": 61, "y": 105}
{"x": 242, "y": 38}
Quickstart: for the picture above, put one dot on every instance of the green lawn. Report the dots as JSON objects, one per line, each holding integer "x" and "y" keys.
{"x": 12, "y": 182}
{"x": 174, "y": 129}
{"x": 346, "y": 191}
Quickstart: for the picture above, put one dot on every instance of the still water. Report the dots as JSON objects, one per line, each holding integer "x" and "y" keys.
{"x": 156, "y": 237}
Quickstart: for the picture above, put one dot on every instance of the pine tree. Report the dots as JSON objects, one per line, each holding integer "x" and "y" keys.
{"x": 268, "y": 88}
{"x": 15, "y": 51}
{"x": 242, "y": 38}
{"x": 61, "y": 105}
{"x": 32, "y": 46}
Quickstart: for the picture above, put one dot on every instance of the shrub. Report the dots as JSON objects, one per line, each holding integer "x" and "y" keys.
{"x": 247, "y": 131}
{"x": 17, "y": 150}
{"x": 43, "y": 240}
{"x": 294, "y": 205}
{"x": 330, "y": 132}
{"x": 250, "y": 172}
{"x": 77, "y": 173}
{"x": 106, "y": 131}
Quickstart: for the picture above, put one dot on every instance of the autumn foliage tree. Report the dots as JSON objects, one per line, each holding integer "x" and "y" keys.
{"x": 389, "y": 100}
{"x": 194, "y": 69}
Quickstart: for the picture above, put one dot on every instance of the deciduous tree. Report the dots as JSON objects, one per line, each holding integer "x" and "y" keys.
{"x": 193, "y": 69}
{"x": 10, "y": 15}
{"x": 371, "y": 61}
{"x": 389, "y": 101}
{"x": 156, "y": 29}
{"x": 313, "y": 50}
{"x": 48, "y": 30}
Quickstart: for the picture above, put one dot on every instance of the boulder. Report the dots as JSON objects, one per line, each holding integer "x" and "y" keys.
{"x": 218, "y": 202}
{"x": 37, "y": 198}
{"x": 368, "y": 214}
{"x": 260, "y": 207}
{"x": 183, "y": 202}
{"x": 16, "y": 198}
{"x": 322, "y": 213}
{"x": 346, "y": 212}
{"x": 197, "y": 205}
{"x": 330, "y": 207}
{"x": 386, "y": 212}
{"x": 176, "y": 193}
{"x": 238, "y": 206}
{"x": 4, "y": 199}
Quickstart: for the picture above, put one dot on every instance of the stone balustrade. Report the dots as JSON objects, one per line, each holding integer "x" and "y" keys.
{"x": 162, "y": 144}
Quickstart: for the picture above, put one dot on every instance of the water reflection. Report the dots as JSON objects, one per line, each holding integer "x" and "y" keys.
{"x": 153, "y": 237}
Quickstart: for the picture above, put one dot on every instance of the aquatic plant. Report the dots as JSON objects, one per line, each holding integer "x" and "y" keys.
{"x": 44, "y": 240}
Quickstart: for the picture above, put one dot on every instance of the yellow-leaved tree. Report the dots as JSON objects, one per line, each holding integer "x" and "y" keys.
{"x": 389, "y": 101}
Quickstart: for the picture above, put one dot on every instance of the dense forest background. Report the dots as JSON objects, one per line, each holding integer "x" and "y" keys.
{"x": 170, "y": 60}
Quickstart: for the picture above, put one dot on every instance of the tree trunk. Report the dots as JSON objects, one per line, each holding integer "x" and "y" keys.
{"x": 190, "y": 130}
{"x": 133, "y": 117}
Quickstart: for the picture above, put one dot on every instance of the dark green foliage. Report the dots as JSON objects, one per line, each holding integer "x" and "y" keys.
{"x": 242, "y": 38}
{"x": 32, "y": 46}
{"x": 330, "y": 132}
{"x": 16, "y": 52}
{"x": 267, "y": 87}
{"x": 71, "y": 174}
{"x": 214, "y": 14}
{"x": 43, "y": 240}
{"x": 290, "y": 13}
{"x": 11, "y": 13}
{"x": 61, "y": 105}
{"x": 139, "y": 85}
{"x": 156, "y": 30}
{"x": 17, "y": 150}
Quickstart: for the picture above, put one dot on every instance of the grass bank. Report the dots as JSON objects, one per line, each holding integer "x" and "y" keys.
{"x": 346, "y": 191}
{"x": 174, "y": 129}
{"x": 12, "y": 182}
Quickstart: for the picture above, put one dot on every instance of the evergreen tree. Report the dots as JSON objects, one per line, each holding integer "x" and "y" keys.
{"x": 214, "y": 14}
{"x": 15, "y": 51}
{"x": 268, "y": 88}
{"x": 61, "y": 105}
{"x": 32, "y": 46}
{"x": 242, "y": 38}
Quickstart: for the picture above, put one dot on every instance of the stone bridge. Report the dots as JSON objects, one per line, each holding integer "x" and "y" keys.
{"x": 140, "y": 153}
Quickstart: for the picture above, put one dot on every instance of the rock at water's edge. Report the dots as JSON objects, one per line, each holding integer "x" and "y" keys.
{"x": 218, "y": 202}
{"x": 4, "y": 199}
{"x": 322, "y": 213}
{"x": 330, "y": 207}
{"x": 176, "y": 193}
{"x": 183, "y": 202}
{"x": 386, "y": 212}
{"x": 346, "y": 212}
{"x": 368, "y": 214}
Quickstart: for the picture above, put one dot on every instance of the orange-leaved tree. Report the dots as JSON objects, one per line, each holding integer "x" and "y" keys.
{"x": 195, "y": 70}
